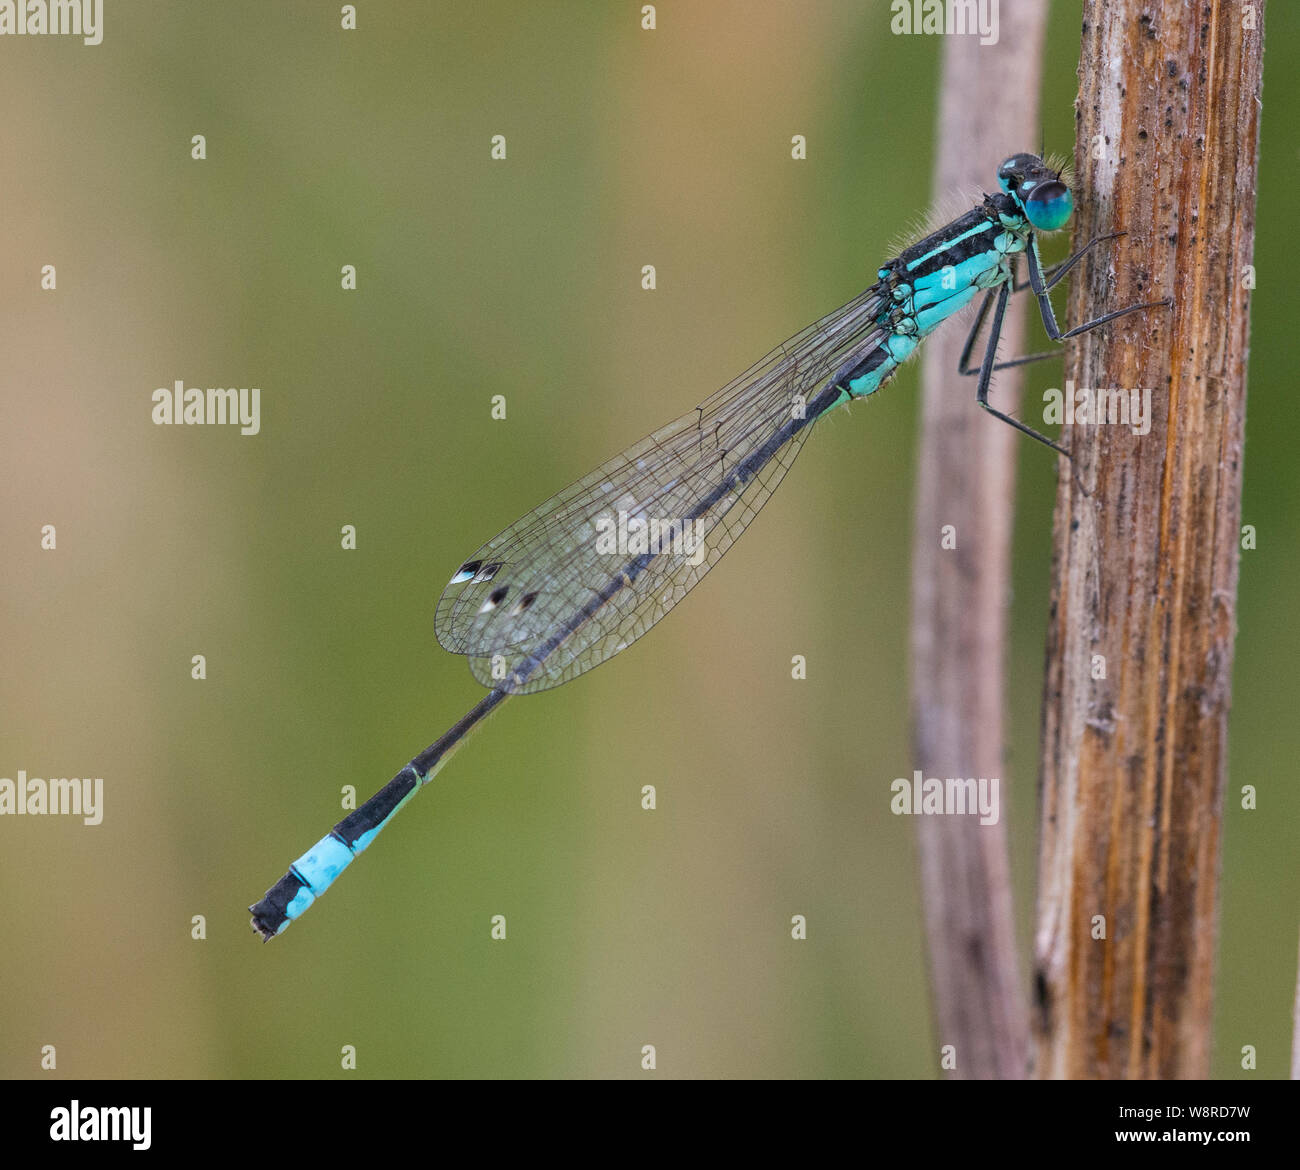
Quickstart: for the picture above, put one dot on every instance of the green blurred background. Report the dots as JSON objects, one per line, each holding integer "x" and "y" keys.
{"x": 519, "y": 278}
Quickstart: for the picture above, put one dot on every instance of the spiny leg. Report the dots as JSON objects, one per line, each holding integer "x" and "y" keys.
{"x": 963, "y": 364}
{"x": 986, "y": 373}
{"x": 1056, "y": 271}
{"x": 1041, "y": 288}
{"x": 1045, "y": 303}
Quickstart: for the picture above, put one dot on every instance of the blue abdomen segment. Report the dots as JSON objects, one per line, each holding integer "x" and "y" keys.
{"x": 322, "y": 863}
{"x": 871, "y": 372}
{"x": 313, "y": 873}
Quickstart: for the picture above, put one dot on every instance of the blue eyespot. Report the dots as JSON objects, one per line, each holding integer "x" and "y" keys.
{"x": 1049, "y": 206}
{"x": 1012, "y": 171}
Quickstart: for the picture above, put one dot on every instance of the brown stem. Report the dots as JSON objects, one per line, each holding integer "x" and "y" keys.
{"x": 966, "y": 480}
{"x": 1147, "y": 532}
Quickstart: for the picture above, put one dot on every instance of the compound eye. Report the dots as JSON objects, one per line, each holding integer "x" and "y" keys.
{"x": 1049, "y": 206}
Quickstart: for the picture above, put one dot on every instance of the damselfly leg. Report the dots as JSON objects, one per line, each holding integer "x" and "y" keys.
{"x": 1040, "y": 281}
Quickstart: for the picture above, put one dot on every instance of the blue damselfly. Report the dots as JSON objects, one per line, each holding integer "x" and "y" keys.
{"x": 546, "y": 599}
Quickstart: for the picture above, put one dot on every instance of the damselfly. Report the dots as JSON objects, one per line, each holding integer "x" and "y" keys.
{"x": 589, "y": 571}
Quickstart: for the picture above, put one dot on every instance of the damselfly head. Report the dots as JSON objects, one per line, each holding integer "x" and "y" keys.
{"x": 1039, "y": 189}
